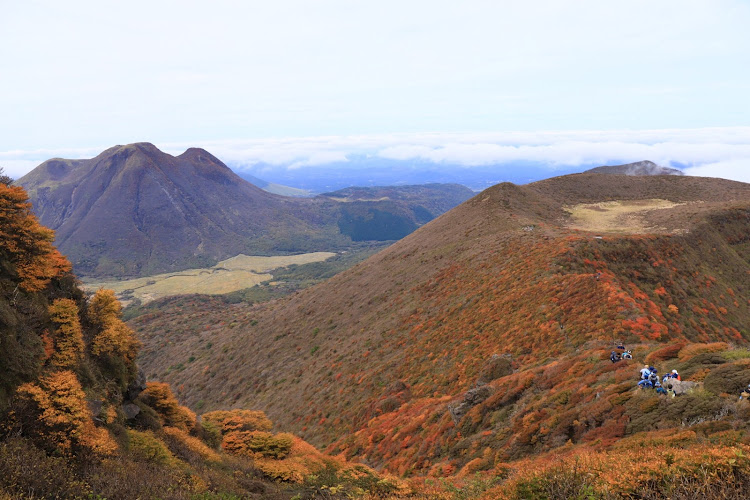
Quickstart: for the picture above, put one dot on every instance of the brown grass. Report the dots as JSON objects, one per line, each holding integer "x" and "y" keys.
{"x": 236, "y": 273}
{"x": 620, "y": 216}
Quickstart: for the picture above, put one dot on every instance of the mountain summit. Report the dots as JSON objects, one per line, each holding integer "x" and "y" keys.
{"x": 134, "y": 209}
{"x": 137, "y": 211}
{"x": 644, "y": 167}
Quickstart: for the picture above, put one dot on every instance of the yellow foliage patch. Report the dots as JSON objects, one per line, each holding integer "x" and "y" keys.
{"x": 238, "y": 420}
{"x": 193, "y": 444}
{"x": 159, "y": 396}
{"x": 67, "y": 340}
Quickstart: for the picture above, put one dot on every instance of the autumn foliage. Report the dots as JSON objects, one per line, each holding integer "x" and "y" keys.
{"x": 68, "y": 369}
{"x": 26, "y": 244}
{"x": 55, "y": 414}
{"x": 159, "y": 396}
{"x": 238, "y": 420}
{"x": 114, "y": 342}
{"x": 67, "y": 339}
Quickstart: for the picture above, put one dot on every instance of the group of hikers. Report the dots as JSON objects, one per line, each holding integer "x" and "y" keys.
{"x": 649, "y": 374}
{"x": 650, "y": 380}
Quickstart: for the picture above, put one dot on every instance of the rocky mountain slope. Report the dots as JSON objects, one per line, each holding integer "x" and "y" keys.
{"x": 482, "y": 339}
{"x": 638, "y": 168}
{"x": 135, "y": 211}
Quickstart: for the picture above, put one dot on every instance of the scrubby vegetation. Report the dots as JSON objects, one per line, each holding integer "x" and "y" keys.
{"x": 473, "y": 356}
{"x": 78, "y": 420}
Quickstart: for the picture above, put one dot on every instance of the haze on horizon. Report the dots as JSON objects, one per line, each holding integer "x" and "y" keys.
{"x": 291, "y": 85}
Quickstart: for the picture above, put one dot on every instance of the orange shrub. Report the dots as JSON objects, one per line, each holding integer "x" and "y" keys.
{"x": 238, "y": 420}
{"x": 159, "y": 396}
{"x": 193, "y": 444}
{"x": 254, "y": 443}
{"x": 53, "y": 412}
{"x": 26, "y": 243}
{"x": 667, "y": 352}
{"x": 692, "y": 350}
{"x": 115, "y": 339}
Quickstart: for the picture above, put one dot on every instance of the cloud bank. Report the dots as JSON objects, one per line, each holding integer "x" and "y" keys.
{"x": 716, "y": 152}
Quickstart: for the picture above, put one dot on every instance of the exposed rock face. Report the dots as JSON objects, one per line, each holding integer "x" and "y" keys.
{"x": 95, "y": 406}
{"x": 638, "y": 168}
{"x": 472, "y": 397}
{"x": 137, "y": 386}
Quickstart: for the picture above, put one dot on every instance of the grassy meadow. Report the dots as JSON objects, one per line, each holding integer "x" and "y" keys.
{"x": 230, "y": 275}
{"x": 619, "y": 216}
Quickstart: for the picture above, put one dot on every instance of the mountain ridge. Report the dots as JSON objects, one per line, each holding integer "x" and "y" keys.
{"x": 134, "y": 210}
{"x": 372, "y": 358}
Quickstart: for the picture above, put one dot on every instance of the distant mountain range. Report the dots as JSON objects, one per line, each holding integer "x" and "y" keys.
{"x": 361, "y": 170}
{"x": 134, "y": 210}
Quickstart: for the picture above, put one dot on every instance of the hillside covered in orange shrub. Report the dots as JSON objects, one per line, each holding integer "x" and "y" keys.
{"x": 481, "y": 343}
{"x": 79, "y": 420}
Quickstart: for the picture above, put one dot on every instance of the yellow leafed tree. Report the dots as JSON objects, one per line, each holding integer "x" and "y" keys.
{"x": 114, "y": 342}
{"x": 54, "y": 413}
{"x": 68, "y": 337}
{"x": 27, "y": 244}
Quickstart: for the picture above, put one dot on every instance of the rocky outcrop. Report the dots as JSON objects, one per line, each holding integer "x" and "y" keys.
{"x": 680, "y": 386}
{"x": 137, "y": 386}
{"x": 471, "y": 398}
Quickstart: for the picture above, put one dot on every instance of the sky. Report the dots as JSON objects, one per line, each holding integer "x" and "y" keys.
{"x": 307, "y": 82}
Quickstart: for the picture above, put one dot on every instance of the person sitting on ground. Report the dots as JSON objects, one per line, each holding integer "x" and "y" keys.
{"x": 645, "y": 372}
{"x": 627, "y": 355}
{"x": 653, "y": 378}
{"x": 660, "y": 389}
{"x": 645, "y": 384}
{"x": 676, "y": 375}
{"x": 746, "y": 393}
{"x": 614, "y": 357}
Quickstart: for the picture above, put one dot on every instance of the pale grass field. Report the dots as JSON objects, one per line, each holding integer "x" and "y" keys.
{"x": 236, "y": 273}
{"x": 617, "y": 216}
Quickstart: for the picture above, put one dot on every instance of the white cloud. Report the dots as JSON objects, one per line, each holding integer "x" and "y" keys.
{"x": 320, "y": 158}
{"x": 738, "y": 170}
{"x": 721, "y": 150}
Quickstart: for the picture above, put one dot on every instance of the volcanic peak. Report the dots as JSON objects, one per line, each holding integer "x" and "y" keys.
{"x": 644, "y": 167}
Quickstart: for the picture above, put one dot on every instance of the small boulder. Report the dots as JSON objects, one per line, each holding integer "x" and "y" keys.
{"x": 471, "y": 398}
{"x": 130, "y": 410}
{"x": 681, "y": 386}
